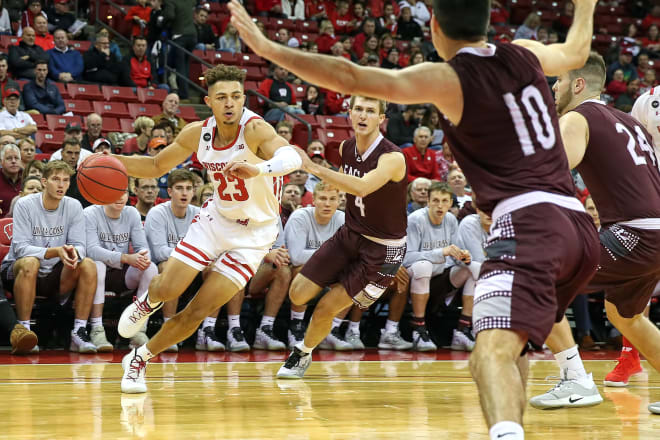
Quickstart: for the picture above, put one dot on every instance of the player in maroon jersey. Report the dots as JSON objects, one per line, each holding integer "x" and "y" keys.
{"x": 361, "y": 260}
{"x": 613, "y": 153}
{"x": 503, "y": 130}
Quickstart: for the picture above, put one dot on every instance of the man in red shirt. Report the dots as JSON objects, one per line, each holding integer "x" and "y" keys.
{"x": 269, "y": 8}
{"x": 279, "y": 90}
{"x": 341, "y": 18}
{"x": 420, "y": 158}
{"x": 42, "y": 39}
{"x": 139, "y": 64}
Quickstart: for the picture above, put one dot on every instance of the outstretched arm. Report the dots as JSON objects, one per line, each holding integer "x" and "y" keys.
{"x": 575, "y": 136}
{"x": 573, "y": 53}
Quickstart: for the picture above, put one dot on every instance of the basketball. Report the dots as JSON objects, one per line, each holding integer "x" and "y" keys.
{"x": 102, "y": 179}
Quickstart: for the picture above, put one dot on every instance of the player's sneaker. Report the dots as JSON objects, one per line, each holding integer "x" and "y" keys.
{"x": 296, "y": 332}
{"x": 138, "y": 339}
{"x": 655, "y": 408}
{"x": 570, "y": 393}
{"x": 22, "y": 340}
{"x": 354, "y": 339}
{"x": 236, "y": 340}
{"x": 99, "y": 339}
{"x": 627, "y": 366}
{"x": 265, "y": 339}
{"x": 208, "y": 341}
{"x": 462, "y": 340}
{"x": 334, "y": 341}
{"x": 295, "y": 366}
{"x": 135, "y": 370}
{"x": 393, "y": 341}
{"x": 81, "y": 342}
{"x": 136, "y": 315}
{"x": 422, "y": 340}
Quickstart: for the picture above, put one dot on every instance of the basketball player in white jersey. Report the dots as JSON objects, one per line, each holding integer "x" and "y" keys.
{"x": 234, "y": 229}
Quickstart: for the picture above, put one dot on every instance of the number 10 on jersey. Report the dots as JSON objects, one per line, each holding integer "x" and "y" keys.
{"x": 237, "y": 192}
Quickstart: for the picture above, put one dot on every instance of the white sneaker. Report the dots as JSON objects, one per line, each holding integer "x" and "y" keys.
{"x": 393, "y": 341}
{"x": 208, "y": 341}
{"x": 135, "y": 316}
{"x": 99, "y": 339}
{"x": 422, "y": 340}
{"x": 334, "y": 341}
{"x": 265, "y": 339}
{"x": 569, "y": 392}
{"x": 462, "y": 341}
{"x": 81, "y": 342}
{"x": 354, "y": 339}
{"x": 135, "y": 370}
{"x": 236, "y": 340}
{"x": 296, "y": 332}
{"x": 139, "y": 339}
{"x": 295, "y": 366}
{"x": 655, "y": 408}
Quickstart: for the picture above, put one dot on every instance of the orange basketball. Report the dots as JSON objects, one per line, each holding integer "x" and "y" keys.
{"x": 102, "y": 179}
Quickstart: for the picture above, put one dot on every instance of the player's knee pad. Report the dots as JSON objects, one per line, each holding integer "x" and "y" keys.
{"x": 420, "y": 276}
{"x": 458, "y": 275}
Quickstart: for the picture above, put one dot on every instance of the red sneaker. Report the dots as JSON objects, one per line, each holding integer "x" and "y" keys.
{"x": 627, "y": 366}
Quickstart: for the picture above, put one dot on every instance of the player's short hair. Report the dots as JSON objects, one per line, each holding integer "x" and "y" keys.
{"x": 180, "y": 175}
{"x": 593, "y": 71}
{"x": 224, "y": 73}
{"x": 441, "y": 187}
{"x": 57, "y": 166}
{"x": 462, "y": 19}
{"x": 324, "y": 186}
{"x": 381, "y": 103}
{"x": 70, "y": 142}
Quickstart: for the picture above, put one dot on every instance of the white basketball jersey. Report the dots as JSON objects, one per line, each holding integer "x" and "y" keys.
{"x": 256, "y": 199}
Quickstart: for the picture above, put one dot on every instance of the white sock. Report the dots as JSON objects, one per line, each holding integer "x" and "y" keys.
{"x": 267, "y": 320}
{"x": 354, "y": 327}
{"x": 234, "y": 321}
{"x": 96, "y": 322}
{"x": 336, "y": 322}
{"x": 144, "y": 353}
{"x": 78, "y": 323}
{"x": 570, "y": 364}
{"x": 25, "y": 324}
{"x": 391, "y": 326}
{"x": 297, "y": 315}
{"x": 208, "y": 322}
{"x": 302, "y": 347}
{"x": 165, "y": 319}
{"x": 507, "y": 431}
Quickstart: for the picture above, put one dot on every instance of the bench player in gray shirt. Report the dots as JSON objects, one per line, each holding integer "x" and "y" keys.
{"x": 110, "y": 230}
{"x": 47, "y": 254}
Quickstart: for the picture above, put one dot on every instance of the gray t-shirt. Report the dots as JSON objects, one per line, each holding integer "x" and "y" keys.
{"x": 472, "y": 237}
{"x": 164, "y": 230}
{"x": 36, "y": 229}
{"x": 303, "y": 235}
{"x": 425, "y": 241}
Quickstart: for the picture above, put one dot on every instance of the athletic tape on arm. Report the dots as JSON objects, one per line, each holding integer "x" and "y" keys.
{"x": 284, "y": 161}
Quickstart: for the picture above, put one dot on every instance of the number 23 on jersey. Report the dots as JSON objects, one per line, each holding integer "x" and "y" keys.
{"x": 235, "y": 192}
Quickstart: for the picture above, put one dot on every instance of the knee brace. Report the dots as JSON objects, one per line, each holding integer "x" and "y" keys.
{"x": 420, "y": 277}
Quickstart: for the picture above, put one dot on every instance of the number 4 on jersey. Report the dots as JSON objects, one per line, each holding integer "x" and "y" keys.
{"x": 360, "y": 204}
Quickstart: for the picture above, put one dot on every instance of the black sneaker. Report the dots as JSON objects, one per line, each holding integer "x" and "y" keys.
{"x": 236, "y": 340}
{"x": 295, "y": 366}
{"x": 296, "y": 332}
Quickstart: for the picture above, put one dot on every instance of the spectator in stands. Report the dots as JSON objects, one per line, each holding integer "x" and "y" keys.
{"x": 27, "y": 17}
{"x": 528, "y": 30}
{"x": 139, "y": 15}
{"x": 625, "y": 64}
{"x": 553, "y": 37}
{"x": 94, "y": 125}
{"x": 341, "y": 17}
{"x": 278, "y": 89}
{"x": 42, "y": 94}
{"x": 5, "y": 22}
{"x": 418, "y": 193}
{"x": 384, "y": 45}
{"x": 13, "y": 121}
{"x": 408, "y": 29}
{"x": 392, "y": 59}
{"x": 31, "y": 185}
{"x": 293, "y": 9}
{"x": 269, "y": 8}
{"x": 388, "y": 20}
{"x": 102, "y": 145}
{"x": 648, "y": 82}
{"x": 498, "y": 14}
{"x": 72, "y": 133}
{"x": 48, "y": 251}
{"x": 630, "y": 38}
{"x": 431, "y": 120}
{"x": 139, "y": 65}
{"x": 457, "y": 183}
{"x": 179, "y": 14}
{"x": 563, "y": 23}
{"x": 652, "y": 41}
{"x": 103, "y": 67}
{"x": 652, "y": 18}
{"x": 626, "y": 100}
{"x": 338, "y": 50}
{"x": 10, "y": 176}
{"x": 314, "y": 101}
{"x": 117, "y": 244}
{"x": 318, "y": 9}
{"x": 73, "y": 130}
{"x": 142, "y": 127}
{"x": 206, "y": 38}
{"x": 416, "y": 57}
{"x": 282, "y": 36}
{"x": 170, "y": 108}
{"x": 368, "y": 30}
{"x": 24, "y": 56}
{"x": 156, "y": 25}
{"x": 420, "y": 159}
{"x": 65, "y": 64}
{"x": 146, "y": 191}
{"x": 28, "y": 151}
{"x": 643, "y": 65}
{"x": 290, "y": 201}
{"x": 60, "y": 17}
{"x": 7, "y": 139}
{"x": 33, "y": 168}
{"x": 336, "y": 104}
{"x": 401, "y": 126}
{"x": 285, "y": 129}
{"x": 230, "y": 40}
{"x": 5, "y": 81}
{"x": 542, "y": 35}
{"x": 326, "y": 36}
{"x": 446, "y": 161}
{"x": 204, "y": 193}
{"x": 168, "y": 128}
{"x": 155, "y": 145}
{"x": 71, "y": 155}
{"x": 617, "y": 86}
{"x": 42, "y": 38}
{"x": 420, "y": 13}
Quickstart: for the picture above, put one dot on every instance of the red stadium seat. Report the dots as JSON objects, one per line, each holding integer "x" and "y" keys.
{"x": 89, "y": 92}
{"x": 253, "y": 73}
{"x": 126, "y": 125}
{"x": 44, "y": 157}
{"x": 136, "y": 110}
{"x": 251, "y": 85}
{"x": 151, "y": 96}
{"x": 332, "y": 155}
{"x": 279, "y": 23}
{"x": 187, "y": 113}
{"x": 334, "y": 122}
{"x": 49, "y": 141}
{"x": 110, "y": 124}
{"x": 78, "y": 106}
{"x": 332, "y": 138}
{"x": 121, "y": 94}
{"x": 81, "y": 46}
{"x": 58, "y": 122}
{"x": 6, "y": 231}
{"x": 63, "y": 91}
{"x": 4, "y": 250}
{"x": 250, "y": 59}
{"x": 8, "y": 40}
{"x": 299, "y": 91}
{"x": 112, "y": 109}
{"x": 218, "y": 57}
{"x": 307, "y": 26}
{"x": 40, "y": 121}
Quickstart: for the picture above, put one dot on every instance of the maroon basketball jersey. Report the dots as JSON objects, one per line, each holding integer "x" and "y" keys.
{"x": 508, "y": 140}
{"x": 619, "y": 166}
{"x": 381, "y": 214}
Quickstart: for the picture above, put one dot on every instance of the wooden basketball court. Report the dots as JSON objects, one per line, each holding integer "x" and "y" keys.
{"x": 366, "y": 395}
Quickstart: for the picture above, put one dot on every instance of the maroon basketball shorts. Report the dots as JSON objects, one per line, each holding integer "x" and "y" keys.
{"x": 538, "y": 258}
{"x": 365, "y": 268}
{"x": 629, "y": 267}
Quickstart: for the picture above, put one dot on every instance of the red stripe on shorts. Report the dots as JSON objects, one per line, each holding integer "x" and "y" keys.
{"x": 194, "y": 249}
{"x": 236, "y": 269}
{"x": 245, "y": 266}
{"x": 195, "y": 259}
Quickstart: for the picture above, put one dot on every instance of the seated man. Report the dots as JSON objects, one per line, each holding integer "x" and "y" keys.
{"x": 111, "y": 230}
{"x": 420, "y": 158}
{"x": 103, "y": 66}
{"x": 13, "y": 121}
{"x": 170, "y": 108}
{"x": 41, "y": 94}
{"x": 65, "y": 64}
{"x": 24, "y": 55}
{"x": 279, "y": 90}
{"x": 42, "y": 38}
{"x": 10, "y": 176}
{"x": 146, "y": 192}
{"x": 418, "y": 194}
{"x": 47, "y": 254}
